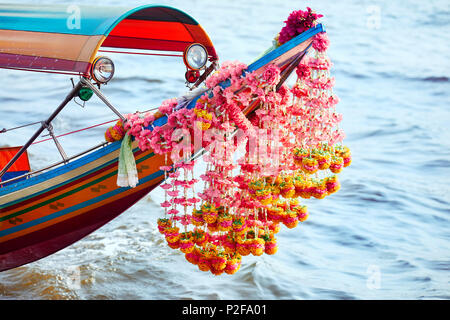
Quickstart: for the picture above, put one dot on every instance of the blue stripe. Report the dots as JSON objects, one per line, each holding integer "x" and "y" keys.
{"x": 62, "y": 183}
{"x": 55, "y": 186}
{"x": 61, "y": 170}
{"x": 59, "y": 18}
{"x": 12, "y": 174}
{"x": 285, "y": 47}
{"x": 77, "y": 207}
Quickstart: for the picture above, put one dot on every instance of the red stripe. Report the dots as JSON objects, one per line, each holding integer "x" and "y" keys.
{"x": 162, "y": 30}
{"x": 146, "y": 44}
{"x": 150, "y": 44}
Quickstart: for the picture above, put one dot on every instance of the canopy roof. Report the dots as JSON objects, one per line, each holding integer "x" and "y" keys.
{"x": 67, "y": 38}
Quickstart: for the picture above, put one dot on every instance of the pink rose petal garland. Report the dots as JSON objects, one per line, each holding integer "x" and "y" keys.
{"x": 290, "y": 146}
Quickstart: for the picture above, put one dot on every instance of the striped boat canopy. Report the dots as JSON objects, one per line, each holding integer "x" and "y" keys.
{"x": 66, "y": 38}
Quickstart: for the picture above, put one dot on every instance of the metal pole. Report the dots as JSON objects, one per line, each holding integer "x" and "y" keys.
{"x": 58, "y": 145}
{"x": 103, "y": 98}
{"x": 44, "y": 125}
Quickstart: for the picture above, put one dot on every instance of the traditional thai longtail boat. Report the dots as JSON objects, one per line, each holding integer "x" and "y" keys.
{"x": 43, "y": 211}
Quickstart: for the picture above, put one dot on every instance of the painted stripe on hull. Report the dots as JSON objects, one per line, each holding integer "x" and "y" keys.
{"x": 43, "y": 213}
{"x": 44, "y": 242}
{"x": 75, "y": 211}
{"x": 54, "y": 189}
{"x": 33, "y": 221}
{"x": 58, "y": 176}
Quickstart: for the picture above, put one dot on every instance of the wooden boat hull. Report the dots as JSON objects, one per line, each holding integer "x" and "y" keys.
{"x": 48, "y": 212}
{"x": 48, "y": 216}
{"x": 47, "y": 241}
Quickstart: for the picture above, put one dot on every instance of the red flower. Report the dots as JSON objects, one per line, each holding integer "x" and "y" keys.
{"x": 321, "y": 42}
{"x": 303, "y": 71}
{"x": 271, "y": 75}
{"x": 166, "y": 204}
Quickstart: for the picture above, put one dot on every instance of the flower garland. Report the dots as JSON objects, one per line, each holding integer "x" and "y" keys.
{"x": 292, "y": 146}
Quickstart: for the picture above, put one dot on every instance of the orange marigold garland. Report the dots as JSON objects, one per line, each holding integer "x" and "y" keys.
{"x": 293, "y": 151}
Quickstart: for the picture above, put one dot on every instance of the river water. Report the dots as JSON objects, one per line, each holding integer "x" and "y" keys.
{"x": 384, "y": 235}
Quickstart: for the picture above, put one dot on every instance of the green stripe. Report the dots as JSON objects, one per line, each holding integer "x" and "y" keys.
{"x": 69, "y": 192}
{"x": 62, "y": 170}
{"x": 4, "y": 206}
{"x": 58, "y": 185}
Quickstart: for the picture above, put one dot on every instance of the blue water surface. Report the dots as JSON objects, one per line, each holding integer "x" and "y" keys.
{"x": 384, "y": 235}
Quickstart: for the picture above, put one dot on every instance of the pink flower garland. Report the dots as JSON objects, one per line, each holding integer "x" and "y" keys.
{"x": 292, "y": 136}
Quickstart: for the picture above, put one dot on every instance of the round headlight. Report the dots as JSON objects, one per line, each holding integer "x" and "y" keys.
{"x": 195, "y": 56}
{"x": 102, "y": 69}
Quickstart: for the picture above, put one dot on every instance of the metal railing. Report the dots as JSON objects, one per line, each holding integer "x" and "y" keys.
{"x": 47, "y": 125}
